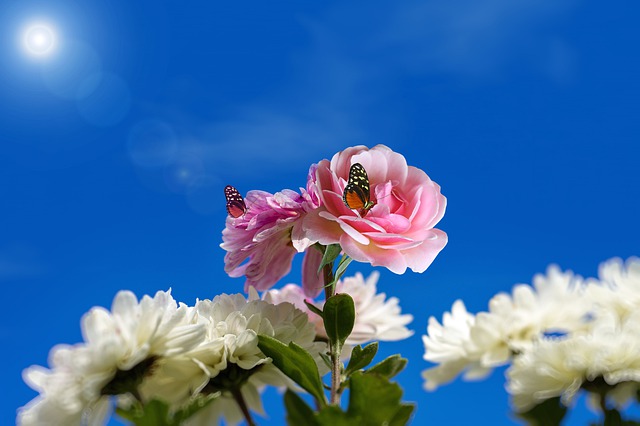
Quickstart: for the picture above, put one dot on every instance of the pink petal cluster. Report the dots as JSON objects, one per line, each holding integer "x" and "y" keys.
{"x": 262, "y": 243}
{"x": 398, "y": 231}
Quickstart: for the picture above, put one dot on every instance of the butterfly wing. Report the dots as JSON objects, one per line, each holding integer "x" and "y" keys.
{"x": 354, "y": 197}
{"x": 235, "y": 203}
{"x": 356, "y": 193}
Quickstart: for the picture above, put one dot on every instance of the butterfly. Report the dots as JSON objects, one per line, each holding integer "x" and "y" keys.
{"x": 235, "y": 203}
{"x": 356, "y": 193}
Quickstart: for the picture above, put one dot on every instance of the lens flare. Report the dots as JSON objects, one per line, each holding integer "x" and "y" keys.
{"x": 39, "y": 39}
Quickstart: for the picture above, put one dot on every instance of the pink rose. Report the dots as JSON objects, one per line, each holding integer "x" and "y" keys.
{"x": 398, "y": 231}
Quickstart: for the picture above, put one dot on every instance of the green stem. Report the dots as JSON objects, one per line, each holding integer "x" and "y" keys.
{"x": 612, "y": 417}
{"x": 334, "y": 349}
{"x": 237, "y": 395}
{"x": 329, "y": 290}
{"x": 599, "y": 387}
{"x": 136, "y": 395}
{"x": 602, "y": 399}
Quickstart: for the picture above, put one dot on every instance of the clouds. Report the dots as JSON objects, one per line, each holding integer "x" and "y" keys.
{"x": 342, "y": 77}
{"x": 466, "y": 36}
{"x": 255, "y": 144}
{"x": 19, "y": 261}
{"x": 261, "y": 140}
{"x": 458, "y": 38}
{"x": 313, "y": 115}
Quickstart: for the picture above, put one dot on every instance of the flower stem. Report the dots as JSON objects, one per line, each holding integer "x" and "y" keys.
{"x": 611, "y": 416}
{"x": 334, "y": 349}
{"x": 136, "y": 395}
{"x": 600, "y": 388}
{"x": 602, "y": 399}
{"x": 329, "y": 290}
{"x": 237, "y": 395}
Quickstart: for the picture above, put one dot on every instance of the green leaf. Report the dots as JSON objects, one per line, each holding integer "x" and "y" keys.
{"x": 326, "y": 359}
{"x": 130, "y": 411}
{"x": 342, "y": 266}
{"x": 127, "y": 414}
{"x": 548, "y": 413}
{"x": 389, "y": 367}
{"x": 332, "y": 415}
{"x": 331, "y": 253}
{"x": 375, "y": 400}
{"x": 200, "y": 402}
{"x": 313, "y": 308}
{"x": 154, "y": 412}
{"x": 296, "y": 363}
{"x": 403, "y": 415}
{"x": 339, "y": 317}
{"x": 298, "y": 412}
{"x": 360, "y": 357}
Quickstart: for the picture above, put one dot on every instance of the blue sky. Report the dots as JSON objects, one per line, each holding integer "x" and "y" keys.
{"x": 116, "y": 147}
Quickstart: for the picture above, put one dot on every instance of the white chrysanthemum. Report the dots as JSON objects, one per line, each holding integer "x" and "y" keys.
{"x": 62, "y": 399}
{"x": 556, "y": 303}
{"x": 377, "y": 318}
{"x": 134, "y": 331}
{"x": 294, "y": 294}
{"x": 449, "y": 345}
{"x": 514, "y": 322}
{"x": 560, "y": 367}
{"x": 619, "y": 286}
{"x": 229, "y": 360}
{"x": 119, "y": 345}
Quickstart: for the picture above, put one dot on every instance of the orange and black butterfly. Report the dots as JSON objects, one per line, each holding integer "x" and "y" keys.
{"x": 235, "y": 203}
{"x": 356, "y": 193}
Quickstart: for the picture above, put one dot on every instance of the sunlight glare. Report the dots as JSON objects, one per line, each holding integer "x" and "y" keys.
{"x": 39, "y": 39}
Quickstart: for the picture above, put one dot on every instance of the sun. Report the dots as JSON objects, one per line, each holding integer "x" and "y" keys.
{"x": 39, "y": 39}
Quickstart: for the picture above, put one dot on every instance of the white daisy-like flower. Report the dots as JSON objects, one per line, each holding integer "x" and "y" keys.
{"x": 555, "y": 304}
{"x": 294, "y": 294}
{"x": 120, "y": 348}
{"x": 229, "y": 361}
{"x": 449, "y": 345}
{"x": 377, "y": 318}
{"x": 618, "y": 289}
{"x": 607, "y": 355}
{"x": 477, "y": 344}
{"x": 62, "y": 400}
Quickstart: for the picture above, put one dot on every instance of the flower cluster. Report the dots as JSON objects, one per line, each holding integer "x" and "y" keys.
{"x": 128, "y": 339}
{"x": 205, "y": 363}
{"x": 157, "y": 349}
{"x": 561, "y": 335}
{"x": 397, "y": 232}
